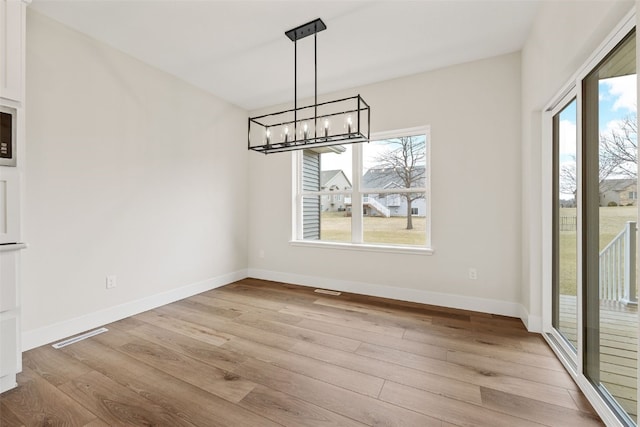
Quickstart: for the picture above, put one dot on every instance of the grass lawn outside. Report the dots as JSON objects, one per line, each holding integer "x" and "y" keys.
{"x": 336, "y": 227}
{"x": 612, "y": 221}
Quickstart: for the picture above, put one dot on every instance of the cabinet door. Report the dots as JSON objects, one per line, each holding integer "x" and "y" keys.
{"x": 8, "y": 281}
{"x": 8, "y": 346}
{"x": 9, "y": 205}
{"x": 12, "y": 20}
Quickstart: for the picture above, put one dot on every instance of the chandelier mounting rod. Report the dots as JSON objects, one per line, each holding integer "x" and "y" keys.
{"x": 300, "y": 32}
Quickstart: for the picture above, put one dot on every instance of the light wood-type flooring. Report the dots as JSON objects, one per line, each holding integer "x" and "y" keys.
{"x": 257, "y": 353}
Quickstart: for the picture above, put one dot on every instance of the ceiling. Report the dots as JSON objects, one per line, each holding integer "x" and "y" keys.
{"x": 237, "y": 50}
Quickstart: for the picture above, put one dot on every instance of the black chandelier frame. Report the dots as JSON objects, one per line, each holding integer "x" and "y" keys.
{"x": 271, "y": 130}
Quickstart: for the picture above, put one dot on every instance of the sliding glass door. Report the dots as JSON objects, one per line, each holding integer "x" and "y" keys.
{"x": 609, "y": 127}
{"x": 592, "y": 314}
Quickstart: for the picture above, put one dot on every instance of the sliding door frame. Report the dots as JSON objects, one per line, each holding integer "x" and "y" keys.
{"x": 573, "y": 89}
{"x": 568, "y": 354}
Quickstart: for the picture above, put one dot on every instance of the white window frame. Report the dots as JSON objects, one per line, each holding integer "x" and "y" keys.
{"x": 356, "y": 194}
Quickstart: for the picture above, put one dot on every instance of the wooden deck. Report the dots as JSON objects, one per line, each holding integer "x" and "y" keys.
{"x": 618, "y": 347}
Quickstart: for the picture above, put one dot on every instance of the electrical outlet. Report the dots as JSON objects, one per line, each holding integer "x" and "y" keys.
{"x": 473, "y": 274}
{"x": 111, "y": 282}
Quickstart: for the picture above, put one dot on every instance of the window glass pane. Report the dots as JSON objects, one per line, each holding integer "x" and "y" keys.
{"x": 395, "y": 163}
{"x": 565, "y": 301}
{"x": 335, "y": 226}
{"x": 327, "y": 216}
{"x": 334, "y": 160}
{"x": 386, "y": 221}
{"x": 335, "y": 176}
{"x": 394, "y": 218}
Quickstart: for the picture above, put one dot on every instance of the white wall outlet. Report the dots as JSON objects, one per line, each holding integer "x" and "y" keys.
{"x": 111, "y": 282}
{"x": 473, "y": 273}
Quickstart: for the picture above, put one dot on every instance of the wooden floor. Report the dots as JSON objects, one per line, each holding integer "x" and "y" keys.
{"x": 618, "y": 347}
{"x": 259, "y": 353}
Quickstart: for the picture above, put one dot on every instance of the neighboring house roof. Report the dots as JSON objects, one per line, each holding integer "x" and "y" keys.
{"x": 619, "y": 184}
{"x": 388, "y": 178}
{"x": 326, "y": 177}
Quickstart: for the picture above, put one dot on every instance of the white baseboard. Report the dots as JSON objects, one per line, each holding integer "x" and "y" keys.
{"x": 64, "y": 329}
{"x": 483, "y": 305}
{"x": 533, "y": 323}
{"x": 7, "y": 382}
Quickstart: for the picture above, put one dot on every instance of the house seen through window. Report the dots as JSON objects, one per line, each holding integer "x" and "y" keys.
{"x": 371, "y": 193}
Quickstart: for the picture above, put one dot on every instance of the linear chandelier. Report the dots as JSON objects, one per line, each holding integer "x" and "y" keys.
{"x": 343, "y": 121}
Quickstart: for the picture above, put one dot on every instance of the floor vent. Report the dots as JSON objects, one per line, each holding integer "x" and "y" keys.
{"x": 328, "y": 292}
{"x": 78, "y": 338}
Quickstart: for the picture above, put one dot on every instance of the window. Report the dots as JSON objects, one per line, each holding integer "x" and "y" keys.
{"x": 374, "y": 194}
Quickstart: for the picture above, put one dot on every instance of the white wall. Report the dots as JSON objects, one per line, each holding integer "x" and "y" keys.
{"x": 564, "y": 35}
{"x": 130, "y": 172}
{"x": 474, "y": 113}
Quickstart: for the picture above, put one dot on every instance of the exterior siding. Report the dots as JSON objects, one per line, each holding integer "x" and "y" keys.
{"x": 397, "y": 205}
{"x": 311, "y": 204}
{"x": 622, "y": 192}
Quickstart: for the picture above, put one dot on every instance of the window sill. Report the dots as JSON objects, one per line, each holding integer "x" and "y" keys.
{"x": 363, "y": 247}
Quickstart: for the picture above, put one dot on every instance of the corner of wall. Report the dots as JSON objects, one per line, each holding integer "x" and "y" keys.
{"x": 531, "y": 322}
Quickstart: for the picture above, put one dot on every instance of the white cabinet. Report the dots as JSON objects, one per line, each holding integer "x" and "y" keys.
{"x": 10, "y": 348}
{"x": 12, "y": 76}
{"x": 12, "y": 49}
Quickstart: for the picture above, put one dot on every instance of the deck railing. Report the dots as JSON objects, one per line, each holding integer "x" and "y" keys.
{"x": 373, "y": 203}
{"x": 618, "y": 267}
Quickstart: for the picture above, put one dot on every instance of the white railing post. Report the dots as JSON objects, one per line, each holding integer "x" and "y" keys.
{"x": 377, "y": 206}
{"x": 630, "y": 295}
{"x": 617, "y": 267}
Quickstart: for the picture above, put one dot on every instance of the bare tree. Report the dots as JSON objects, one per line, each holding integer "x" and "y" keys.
{"x": 619, "y": 148}
{"x": 404, "y": 163}
{"x": 618, "y": 156}
{"x": 568, "y": 184}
